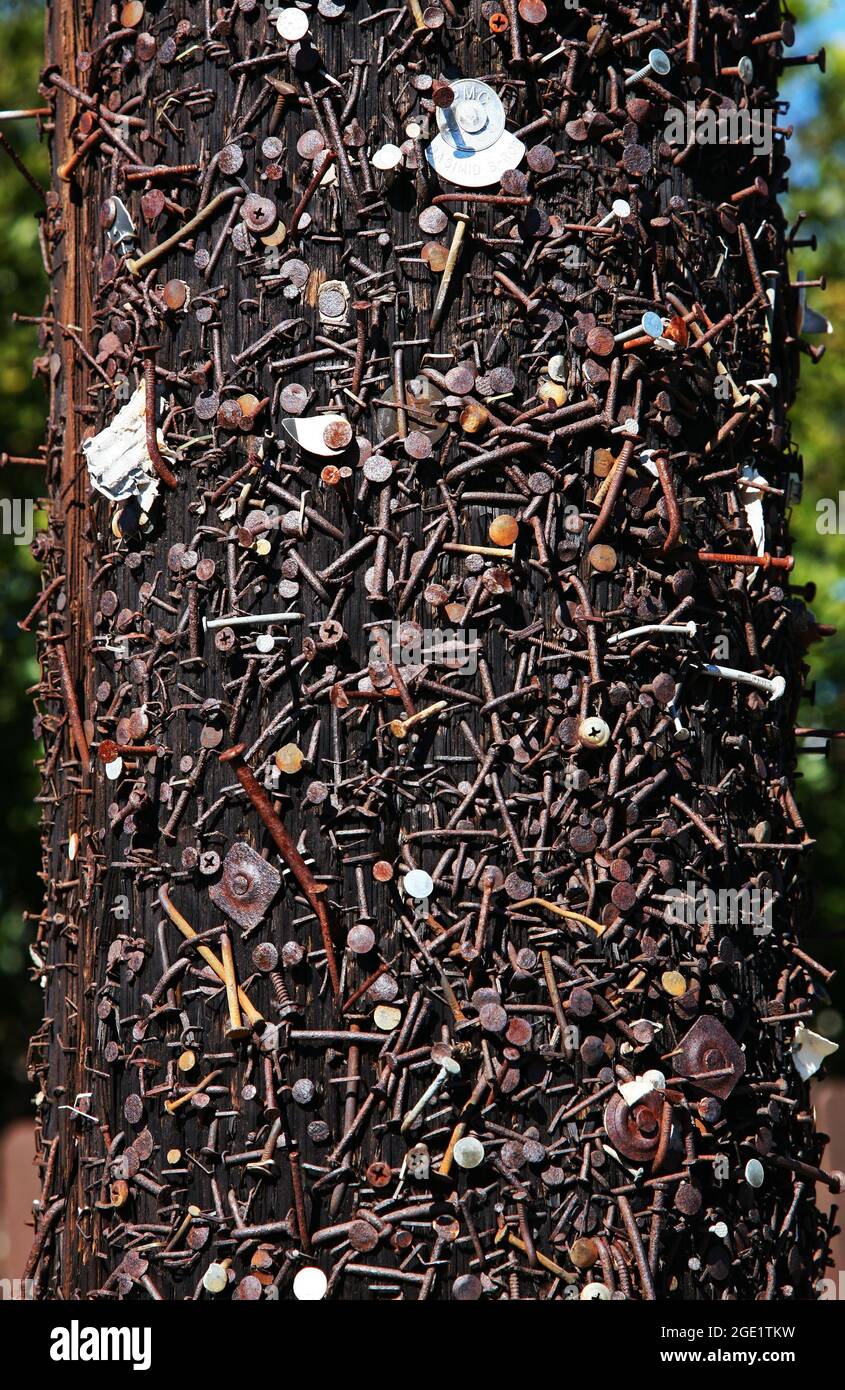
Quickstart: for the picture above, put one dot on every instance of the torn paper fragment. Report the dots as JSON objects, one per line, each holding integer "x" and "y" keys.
{"x": 118, "y": 460}
{"x": 475, "y": 168}
{"x": 814, "y": 322}
{"x": 634, "y": 1091}
{"x": 751, "y": 499}
{"x": 641, "y": 1027}
{"x": 636, "y": 1173}
{"x": 323, "y": 435}
{"x": 809, "y": 320}
{"x": 809, "y": 1051}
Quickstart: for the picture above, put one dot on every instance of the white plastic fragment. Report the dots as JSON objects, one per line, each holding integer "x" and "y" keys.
{"x": 751, "y": 499}
{"x": 215, "y": 1278}
{"x": 472, "y": 148}
{"x": 474, "y": 168}
{"x": 308, "y": 431}
{"x": 809, "y": 1051}
{"x": 641, "y": 1086}
{"x": 636, "y": 1090}
{"x": 118, "y": 460}
{"x": 636, "y": 1173}
{"x": 810, "y": 320}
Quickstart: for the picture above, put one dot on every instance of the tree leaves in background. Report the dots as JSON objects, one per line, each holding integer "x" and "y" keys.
{"x": 22, "y": 413}
{"x": 817, "y": 187}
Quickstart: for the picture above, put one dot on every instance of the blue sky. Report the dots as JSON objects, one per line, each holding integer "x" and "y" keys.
{"x": 801, "y": 86}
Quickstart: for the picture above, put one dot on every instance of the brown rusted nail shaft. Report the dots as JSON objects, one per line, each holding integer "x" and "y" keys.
{"x": 288, "y": 851}
{"x": 74, "y": 717}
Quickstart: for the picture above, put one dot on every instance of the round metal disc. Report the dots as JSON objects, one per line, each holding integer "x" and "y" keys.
{"x": 476, "y": 118}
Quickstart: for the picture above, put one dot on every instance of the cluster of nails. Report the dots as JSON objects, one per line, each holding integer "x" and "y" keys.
{"x": 388, "y": 1002}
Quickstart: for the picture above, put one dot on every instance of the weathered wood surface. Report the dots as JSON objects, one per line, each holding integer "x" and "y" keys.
{"x": 594, "y": 832}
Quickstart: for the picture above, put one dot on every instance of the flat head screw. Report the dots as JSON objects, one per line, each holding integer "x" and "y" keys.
{"x": 265, "y": 958}
{"x": 651, "y": 325}
{"x": 744, "y": 70}
{"x": 448, "y": 1067}
{"x": 659, "y": 64}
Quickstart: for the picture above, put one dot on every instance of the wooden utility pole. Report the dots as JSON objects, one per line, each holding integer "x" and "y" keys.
{"x": 419, "y": 636}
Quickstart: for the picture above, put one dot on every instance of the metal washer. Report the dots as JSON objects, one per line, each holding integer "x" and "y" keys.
{"x": 476, "y": 118}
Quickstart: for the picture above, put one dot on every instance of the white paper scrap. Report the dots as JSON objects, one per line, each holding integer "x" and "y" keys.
{"x": 118, "y": 460}
{"x": 809, "y": 1051}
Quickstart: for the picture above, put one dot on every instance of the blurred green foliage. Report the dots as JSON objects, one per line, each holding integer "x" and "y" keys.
{"x": 22, "y": 410}
{"x": 818, "y": 426}
{"x": 817, "y": 187}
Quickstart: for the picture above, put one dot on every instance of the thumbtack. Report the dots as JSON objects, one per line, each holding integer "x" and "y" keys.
{"x": 292, "y": 24}
{"x": 418, "y": 884}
